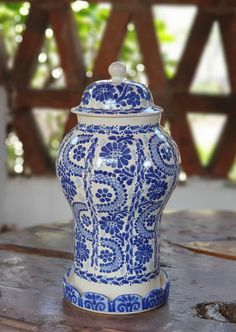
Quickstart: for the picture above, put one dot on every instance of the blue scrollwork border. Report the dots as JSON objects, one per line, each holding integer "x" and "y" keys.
{"x": 126, "y": 303}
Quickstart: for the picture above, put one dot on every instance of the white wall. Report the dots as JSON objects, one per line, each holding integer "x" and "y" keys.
{"x": 33, "y": 201}
{"x": 3, "y": 179}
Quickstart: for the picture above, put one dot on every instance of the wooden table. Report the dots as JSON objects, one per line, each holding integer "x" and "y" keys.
{"x": 33, "y": 262}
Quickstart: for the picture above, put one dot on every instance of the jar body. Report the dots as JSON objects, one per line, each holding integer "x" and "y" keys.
{"x": 117, "y": 180}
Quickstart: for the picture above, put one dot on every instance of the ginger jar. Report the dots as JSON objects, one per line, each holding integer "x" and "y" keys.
{"x": 117, "y": 168}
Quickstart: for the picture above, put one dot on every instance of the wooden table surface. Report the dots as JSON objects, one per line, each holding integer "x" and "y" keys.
{"x": 198, "y": 252}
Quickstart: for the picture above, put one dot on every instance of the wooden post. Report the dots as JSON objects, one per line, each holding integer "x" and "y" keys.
{"x": 3, "y": 173}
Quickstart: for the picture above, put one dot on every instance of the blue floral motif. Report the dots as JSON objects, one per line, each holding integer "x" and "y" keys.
{"x": 95, "y": 302}
{"x": 60, "y": 169}
{"x": 144, "y": 204}
{"x": 156, "y": 297}
{"x": 133, "y": 99}
{"x": 153, "y": 174}
{"x": 86, "y": 220}
{"x": 140, "y": 269}
{"x": 128, "y": 303}
{"x": 118, "y": 255}
{"x": 126, "y": 174}
{"x": 117, "y": 208}
{"x": 82, "y": 221}
{"x": 106, "y": 256}
{"x": 116, "y": 154}
{"x": 111, "y": 224}
{"x": 114, "y": 130}
{"x": 71, "y": 294}
{"x": 68, "y": 186}
{"x": 139, "y": 277}
{"x": 117, "y": 99}
{"x": 144, "y": 253}
{"x": 86, "y": 97}
{"x": 107, "y": 178}
{"x": 151, "y": 220}
{"x": 157, "y": 190}
{"x": 79, "y": 152}
{"x": 82, "y": 252}
{"x": 104, "y": 195}
{"x": 166, "y": 152}
{"x": 121, "y": 304}
{"x": 144, "y": 93}
{"x": 159, "y": 144}
{"x": 103, "y": 92}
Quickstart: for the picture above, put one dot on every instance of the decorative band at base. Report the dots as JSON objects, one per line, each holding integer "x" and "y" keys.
{"x": 125, "y": 303}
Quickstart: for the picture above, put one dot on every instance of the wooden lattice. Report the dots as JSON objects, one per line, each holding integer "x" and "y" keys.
{"x": 173, "y": 94}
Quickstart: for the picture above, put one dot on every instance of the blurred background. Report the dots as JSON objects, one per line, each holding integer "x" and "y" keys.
{"x": 185, "y": 51}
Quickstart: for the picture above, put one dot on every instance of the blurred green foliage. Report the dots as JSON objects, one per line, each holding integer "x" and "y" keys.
{"x": 90, "y": 20}
{"x": 11, "y": 21}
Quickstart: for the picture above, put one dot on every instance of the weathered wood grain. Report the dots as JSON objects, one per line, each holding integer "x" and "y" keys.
{"x": 223, "y": 249}
{"x": 31, "y": 281}
{"x": 208, "y": 225}
{"x": 31, "y": 293}
{"x": 54, "y": 240}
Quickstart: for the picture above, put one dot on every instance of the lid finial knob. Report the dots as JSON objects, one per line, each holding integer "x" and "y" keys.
{"x": 117, "y": 70}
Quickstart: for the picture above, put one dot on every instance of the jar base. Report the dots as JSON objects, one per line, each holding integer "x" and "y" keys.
{"x": 122, "y": 304}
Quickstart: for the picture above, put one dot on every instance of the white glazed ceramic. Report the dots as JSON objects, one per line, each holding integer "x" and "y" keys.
{"x": 117, "y": 168}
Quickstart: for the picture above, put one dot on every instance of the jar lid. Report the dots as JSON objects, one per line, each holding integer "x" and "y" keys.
{"x": 117, "y": 95}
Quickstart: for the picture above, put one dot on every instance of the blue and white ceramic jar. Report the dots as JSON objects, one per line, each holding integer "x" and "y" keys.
{"x": 117, "y": 168}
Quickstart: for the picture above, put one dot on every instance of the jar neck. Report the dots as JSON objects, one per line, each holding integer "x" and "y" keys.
{"x": 89, "y": 119}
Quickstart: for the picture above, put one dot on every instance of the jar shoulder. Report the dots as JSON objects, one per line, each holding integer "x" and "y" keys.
{"x": 147, "y": 133}
{"x": 165, "y": 136}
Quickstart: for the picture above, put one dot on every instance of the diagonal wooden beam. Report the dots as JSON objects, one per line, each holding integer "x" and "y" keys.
{"x": 180, "y": 130}
{"x": 27, "y": 53}
{"x": 112, "y": 41}
{"x": 23, "y": 122}
{"x": 3, "y": 63}
{"x": 69, "y": 47}
{"x": 143, "y": 20}
{"x": 228, "y": 32}
{"x": 193, "y": 50}
{"x": 70, "y": 50}
{"x": 224, "y": 155}
{"x": 35, "y": 154}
